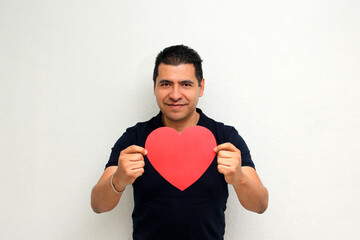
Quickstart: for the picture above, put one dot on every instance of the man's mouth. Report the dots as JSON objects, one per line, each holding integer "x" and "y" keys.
{"x": 175, "y": 105}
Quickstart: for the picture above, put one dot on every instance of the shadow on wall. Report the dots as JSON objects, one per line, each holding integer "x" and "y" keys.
{"x": 145, "y": 99}
{"x": 118, "y": 222}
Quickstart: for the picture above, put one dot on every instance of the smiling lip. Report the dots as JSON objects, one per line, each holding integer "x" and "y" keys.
{"x": 175, "y": 105}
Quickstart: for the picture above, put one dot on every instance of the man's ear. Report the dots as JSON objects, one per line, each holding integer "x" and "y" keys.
{"x": 202, "y": 87}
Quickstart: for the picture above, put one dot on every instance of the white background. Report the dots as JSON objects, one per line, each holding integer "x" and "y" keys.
{"x": 75, "y": 74}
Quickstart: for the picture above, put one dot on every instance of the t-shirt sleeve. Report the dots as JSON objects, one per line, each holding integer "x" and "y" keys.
{"x": 123, "y": 142}
{"x": 240, "y": 144}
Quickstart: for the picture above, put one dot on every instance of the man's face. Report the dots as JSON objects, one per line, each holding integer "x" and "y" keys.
{"x": 177, "y": 91}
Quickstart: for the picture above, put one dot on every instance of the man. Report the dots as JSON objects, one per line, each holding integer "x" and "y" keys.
{"x": 162, "y": 211}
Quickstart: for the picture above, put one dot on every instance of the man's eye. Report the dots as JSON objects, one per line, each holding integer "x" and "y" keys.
{"x": 164, "y": 84}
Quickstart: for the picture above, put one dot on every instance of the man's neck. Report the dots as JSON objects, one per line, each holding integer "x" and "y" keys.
{"x": 180, "y": 126}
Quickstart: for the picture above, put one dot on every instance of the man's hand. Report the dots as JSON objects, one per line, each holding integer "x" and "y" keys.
{"x": 249, "y": 189}
{"x": 130, "y": 166}
{"x": 229, "y": 162}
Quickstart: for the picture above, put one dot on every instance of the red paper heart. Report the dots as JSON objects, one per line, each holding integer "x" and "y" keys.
{"x": 181, "y": 159}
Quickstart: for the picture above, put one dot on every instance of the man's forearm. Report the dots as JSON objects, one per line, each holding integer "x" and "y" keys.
{"x": 103, "y": 197}
{"x": 252, "y": 195}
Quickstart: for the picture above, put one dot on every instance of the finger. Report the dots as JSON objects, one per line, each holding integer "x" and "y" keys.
{"x": 136, "y": 149}
{"x": 226, "y": 146}
{"x": 223, "y": 169}
{"x": 135, "y": 157}
{"x": 135, "y": 173}
{"x": 134, "y": 164}
{"x": 138, "y": 165}
{"x": 126, "y": 159}
{"x": 139, "y": 172}
{"x": 224, "y": 162}
{"x": 225, "y": 154}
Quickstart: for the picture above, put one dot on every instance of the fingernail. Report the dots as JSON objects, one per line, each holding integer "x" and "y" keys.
{"x": 215, "y": 149}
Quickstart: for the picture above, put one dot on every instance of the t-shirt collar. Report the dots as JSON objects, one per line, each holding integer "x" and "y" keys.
{"x": 161, "y": 124}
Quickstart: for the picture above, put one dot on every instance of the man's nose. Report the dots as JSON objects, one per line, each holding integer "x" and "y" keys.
{"x": 175, "y": 94}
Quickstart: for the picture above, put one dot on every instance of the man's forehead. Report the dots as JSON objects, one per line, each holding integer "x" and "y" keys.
{"x": 184, "y": 69}
{"x": 181, "y": 65}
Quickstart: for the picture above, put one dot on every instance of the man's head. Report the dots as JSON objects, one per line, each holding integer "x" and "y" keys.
{"x": 176, "y": 55}
{"x": 178, "y": 84}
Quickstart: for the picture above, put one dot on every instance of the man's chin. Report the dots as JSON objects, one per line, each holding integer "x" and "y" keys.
{"x": 174, "y": 117}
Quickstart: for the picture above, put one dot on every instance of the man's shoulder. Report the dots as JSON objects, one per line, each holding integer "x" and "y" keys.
{"x": 144, "y": 126}
{"x": 226, "y": 133}
{"x": 222, "y": 130}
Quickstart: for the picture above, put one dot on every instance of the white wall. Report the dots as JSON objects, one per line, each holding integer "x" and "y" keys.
{"x": 74, "y": 74}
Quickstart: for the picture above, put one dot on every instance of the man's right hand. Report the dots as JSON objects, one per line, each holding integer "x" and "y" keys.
{"x": 130, "y": 166}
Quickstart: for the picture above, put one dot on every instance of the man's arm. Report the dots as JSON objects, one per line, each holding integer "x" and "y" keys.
{"x": 103, "y": 197}
{"x": 252, "y": 195}
{"x": 130, "y": 166}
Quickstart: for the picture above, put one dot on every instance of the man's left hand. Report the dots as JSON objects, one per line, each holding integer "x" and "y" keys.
{"x": 229, "y": 162}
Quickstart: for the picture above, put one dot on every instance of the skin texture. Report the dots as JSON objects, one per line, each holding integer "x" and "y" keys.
{"x": 177, "y": 93}
{"x": 251, "y": 193}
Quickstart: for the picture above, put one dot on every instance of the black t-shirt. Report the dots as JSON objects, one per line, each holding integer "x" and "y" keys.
{"x": 162, "y": 211}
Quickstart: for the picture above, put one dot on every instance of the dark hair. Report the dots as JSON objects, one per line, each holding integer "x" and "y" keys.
{"x": 176, "y": 55}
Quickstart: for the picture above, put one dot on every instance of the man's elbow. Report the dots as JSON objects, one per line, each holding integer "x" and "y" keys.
{"x": 95, "y": 208}
{"x": 99, "y": 208}
{"x": 264, "y": 205}
{"x": 262, "y": 208}
{"x": 95, "y": 203}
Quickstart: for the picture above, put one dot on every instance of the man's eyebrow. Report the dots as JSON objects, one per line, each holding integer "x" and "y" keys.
{"x": 164, "y": 81}
{"x": 187, "y": 81}
{"x": 182, "y": 82}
